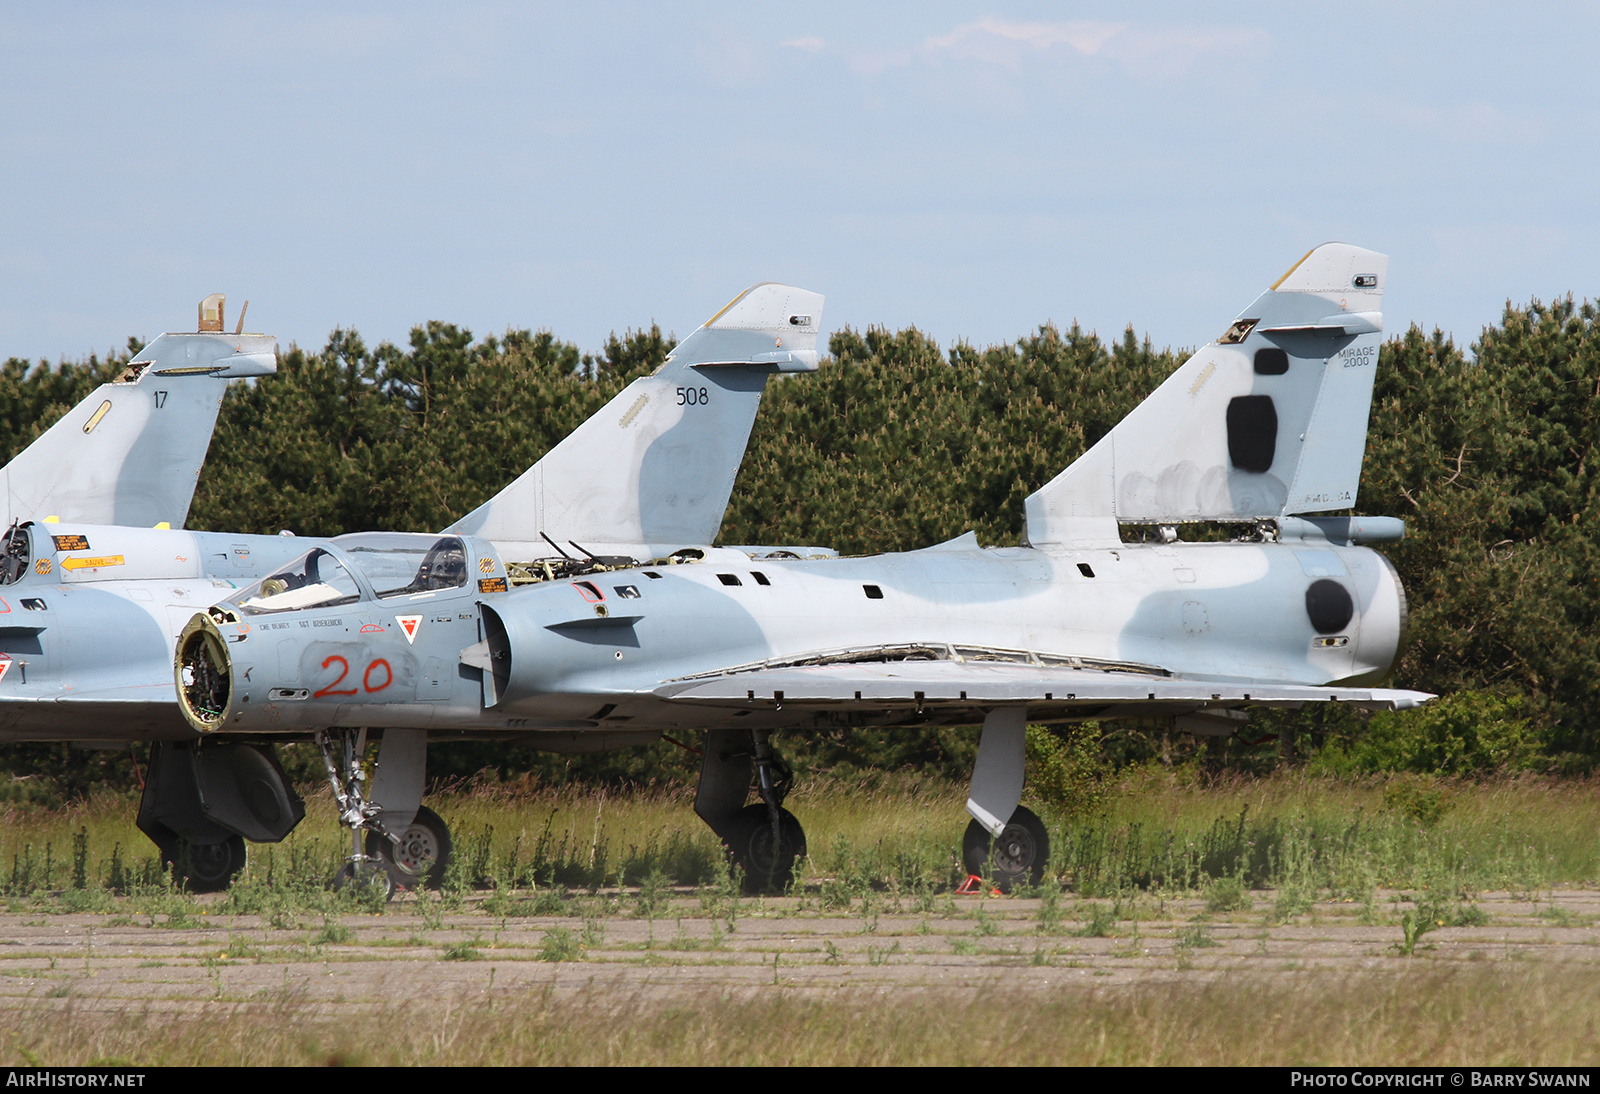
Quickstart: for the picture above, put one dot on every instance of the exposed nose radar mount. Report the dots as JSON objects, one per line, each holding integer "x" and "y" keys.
{"x": 205, "y": 674}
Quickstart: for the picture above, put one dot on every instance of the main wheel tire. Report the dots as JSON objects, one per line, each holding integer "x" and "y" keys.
{"x": 423, "y": 854}
{"x": 1017, "y": 854}
{"x": 208, "y": 867}
{"x": 768, "y": 868}
{"x": 378, "y": 875}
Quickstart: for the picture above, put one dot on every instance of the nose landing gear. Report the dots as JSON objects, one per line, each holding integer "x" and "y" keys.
{"x": 395, "y": 857}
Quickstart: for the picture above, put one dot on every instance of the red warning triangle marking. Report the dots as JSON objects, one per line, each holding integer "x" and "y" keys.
{"x": 409, "y": 624}
{"x": 5, "y": 667}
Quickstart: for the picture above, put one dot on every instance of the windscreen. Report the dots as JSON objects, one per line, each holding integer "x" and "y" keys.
{"x": 314, "y": 580}
{"x": 400, "y": 564}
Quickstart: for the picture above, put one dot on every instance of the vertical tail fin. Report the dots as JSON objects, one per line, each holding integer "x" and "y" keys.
{"x": 653, "y": 469}
{"x": 131, "y": 452}
{"x": 1269, "y": 420}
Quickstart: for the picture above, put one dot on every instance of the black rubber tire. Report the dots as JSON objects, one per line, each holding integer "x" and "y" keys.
{"x": 423, "y": 854}
{"x": 749, "y": 845}
{"x": 208, "y": 867}
{"x": 1018, "y": 854}
{"x": 372, "y": 873}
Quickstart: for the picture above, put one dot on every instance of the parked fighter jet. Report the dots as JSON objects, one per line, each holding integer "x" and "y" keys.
{"x": 104, "y": 605}
{"x": 446, "y": 636}
{"x": 130, "y": 453}
{"x": 97, "y": 576}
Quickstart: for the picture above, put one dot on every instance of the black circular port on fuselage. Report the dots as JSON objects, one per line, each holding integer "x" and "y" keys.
{"x": 1329, "y": 606}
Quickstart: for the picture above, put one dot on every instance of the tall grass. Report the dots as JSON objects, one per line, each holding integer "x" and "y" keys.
{"x": 1161, "y": 829}
{"x": 1174, "y": 830}
{"x": 1413, "y": 1015}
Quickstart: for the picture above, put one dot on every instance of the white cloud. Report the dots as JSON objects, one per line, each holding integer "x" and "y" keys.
{"x": 1001, "y": 41}
{"x": 1469, "y": 123}
{"x": 1167, "y": 52}
{"x": 1147, "y": 52}
{"x": 809, "y": 45}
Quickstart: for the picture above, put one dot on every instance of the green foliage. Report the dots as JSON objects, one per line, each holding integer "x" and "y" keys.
{"x": 1066, "y": 770}
{"x": 1491, "y": 457}
{"x": 559, "y": 944}
{"x": 1469, "y": 732}
{"x": 1493, "y": 463}
{"x": 468, "y": 950}
{"x": 33, "y": 396}
{"x": 333, "y": 933}
{"x": 354, "y": 438}
{"x": 894, "y": 445}
{"x": 1423, "y": 800}
{"x": 1227, "y": 894}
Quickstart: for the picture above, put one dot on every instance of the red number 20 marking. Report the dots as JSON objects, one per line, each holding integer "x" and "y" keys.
{"x": 366, "y": 678}
{"x": 344, "y": 670}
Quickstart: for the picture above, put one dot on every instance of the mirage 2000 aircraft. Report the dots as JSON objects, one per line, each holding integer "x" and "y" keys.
{"x": 446, "y": 636}
{"x": 97, "y": 574}
{"x": 90, "y": 613}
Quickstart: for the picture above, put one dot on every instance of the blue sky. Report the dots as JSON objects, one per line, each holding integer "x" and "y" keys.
{"x": 973, "y": 170}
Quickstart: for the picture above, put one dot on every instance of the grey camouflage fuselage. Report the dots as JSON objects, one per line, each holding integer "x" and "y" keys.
{"x": 942, "y": 634}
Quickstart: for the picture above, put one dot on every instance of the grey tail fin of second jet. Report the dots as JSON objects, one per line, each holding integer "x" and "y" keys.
{"x": 653, "y": 469}
{"x": 1267, "y": 421}
{"x": 131, "y": 452}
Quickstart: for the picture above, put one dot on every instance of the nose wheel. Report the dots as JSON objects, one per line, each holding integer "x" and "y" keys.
{"x": 421, "y": 857}
{"x": 373, "y": 874}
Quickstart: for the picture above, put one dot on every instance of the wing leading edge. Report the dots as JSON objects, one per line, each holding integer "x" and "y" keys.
{"x": 1049, "y": 692}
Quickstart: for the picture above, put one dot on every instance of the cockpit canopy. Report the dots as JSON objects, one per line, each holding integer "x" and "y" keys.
{"x": 390, "y": 564}
{"x": 400, "y": 563}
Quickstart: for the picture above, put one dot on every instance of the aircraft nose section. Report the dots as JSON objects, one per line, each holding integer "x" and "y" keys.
{"x": 204, "y": 673}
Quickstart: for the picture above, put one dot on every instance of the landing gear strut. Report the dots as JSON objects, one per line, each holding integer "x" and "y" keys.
{"x": 396, "y": 856}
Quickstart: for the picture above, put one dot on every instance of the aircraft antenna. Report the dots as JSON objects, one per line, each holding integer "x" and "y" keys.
{"x": 557, "y": 546}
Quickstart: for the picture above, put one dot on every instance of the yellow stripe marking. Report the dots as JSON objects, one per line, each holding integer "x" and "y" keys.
{"x": 94, "y": 421}
{"x": 1292, "y": 269}
{"x": 91, "y": 563}
{"x": 725, "y": 308}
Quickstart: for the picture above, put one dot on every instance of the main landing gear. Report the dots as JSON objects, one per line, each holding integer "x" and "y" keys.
{"x": 1016, "y": 855}
{"x": 763, "y": 840}
{"x": 208, "y": 867}
{"x": 203, "y": 799}
{"x": 395, "y": 841}
{"x": 1005, "y": 842}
